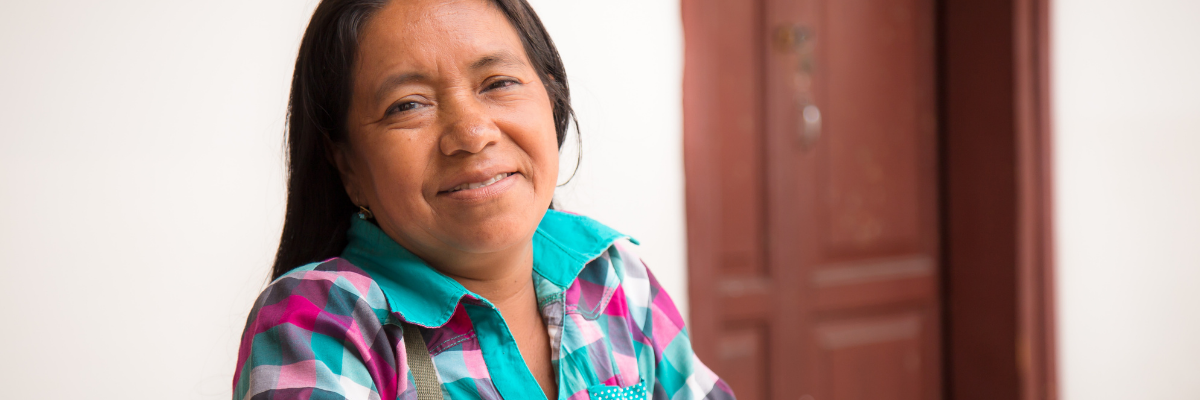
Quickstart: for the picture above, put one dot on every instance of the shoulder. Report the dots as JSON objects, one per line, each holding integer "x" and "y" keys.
{"x": 332, "y": 281}
{"x": 644, "y": 294}
{"x": 626, "y": 263}
{"x": 637, "y": 281}
{"x": 332, "y": 290}
{"x": 307, "y": 326}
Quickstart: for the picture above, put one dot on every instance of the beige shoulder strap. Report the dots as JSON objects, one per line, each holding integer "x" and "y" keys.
{"x": 421, "y": 364}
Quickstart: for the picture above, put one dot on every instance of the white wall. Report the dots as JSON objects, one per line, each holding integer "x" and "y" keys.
{"x": 141, "y": 177}
{"x": 1127, "y": 125}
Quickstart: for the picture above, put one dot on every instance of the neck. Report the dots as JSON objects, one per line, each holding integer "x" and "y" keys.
{"x": 505, "y": 281}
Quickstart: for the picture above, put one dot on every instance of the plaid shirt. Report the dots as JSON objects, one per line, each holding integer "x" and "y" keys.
{"x": 333, "y": 330}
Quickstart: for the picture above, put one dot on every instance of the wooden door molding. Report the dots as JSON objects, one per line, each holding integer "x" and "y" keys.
{"x": 996, "y": 195}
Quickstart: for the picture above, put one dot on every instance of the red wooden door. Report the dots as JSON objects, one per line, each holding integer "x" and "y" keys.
{"x": 810, "y": 151}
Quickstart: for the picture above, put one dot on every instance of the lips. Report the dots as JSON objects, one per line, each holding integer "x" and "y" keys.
{"x": 478, "y": 180}
{"x": 477, "y": 185}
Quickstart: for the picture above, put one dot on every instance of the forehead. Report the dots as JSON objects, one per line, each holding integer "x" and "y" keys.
{"x": 425, "y": 34}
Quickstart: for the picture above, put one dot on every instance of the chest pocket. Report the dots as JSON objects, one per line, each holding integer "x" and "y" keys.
{"x": 635, "y": 392}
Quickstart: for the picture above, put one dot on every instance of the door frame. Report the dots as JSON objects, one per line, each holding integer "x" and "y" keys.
{"x": 995, "y": 178}
{"x": 997, "y": 205}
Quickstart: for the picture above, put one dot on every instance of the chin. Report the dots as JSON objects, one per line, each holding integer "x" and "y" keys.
{"x": 495, "y": 232}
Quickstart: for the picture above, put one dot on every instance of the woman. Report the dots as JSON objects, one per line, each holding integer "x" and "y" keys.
{"x": 423, "y": 148}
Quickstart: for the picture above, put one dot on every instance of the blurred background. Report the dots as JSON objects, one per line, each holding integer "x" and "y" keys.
{"x": 849, "y": 199}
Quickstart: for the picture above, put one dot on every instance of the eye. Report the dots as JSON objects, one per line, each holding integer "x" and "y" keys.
{"x": 502, "y": 83}
{"x": 402, "y": 107}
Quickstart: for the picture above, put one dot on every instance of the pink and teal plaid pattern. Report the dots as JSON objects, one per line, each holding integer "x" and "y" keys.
{"x": 332, "y": 330}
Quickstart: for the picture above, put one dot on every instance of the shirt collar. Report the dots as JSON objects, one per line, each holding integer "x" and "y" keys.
{"x": 562, "y": 245}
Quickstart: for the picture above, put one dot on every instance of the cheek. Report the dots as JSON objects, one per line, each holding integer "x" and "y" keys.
{"x": 531, "y": 127}
{"x": 544, "y": 151}
{"x": 547, "y": 139}
{"x": 398, "y": 171}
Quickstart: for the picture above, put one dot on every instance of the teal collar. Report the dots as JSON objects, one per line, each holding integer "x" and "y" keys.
{"x": 563, "y": 244}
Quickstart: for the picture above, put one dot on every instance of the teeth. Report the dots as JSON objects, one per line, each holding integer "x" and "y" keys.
{"x": 488, "y": 182}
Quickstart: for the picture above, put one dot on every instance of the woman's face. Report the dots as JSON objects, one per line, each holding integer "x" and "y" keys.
{"x": 451, "y": 132}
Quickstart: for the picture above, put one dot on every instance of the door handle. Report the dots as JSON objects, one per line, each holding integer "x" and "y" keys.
{"x": 810, "y": 123}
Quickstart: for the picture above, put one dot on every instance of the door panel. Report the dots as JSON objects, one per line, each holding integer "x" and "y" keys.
{"x": 744, "y": 354}
{"x": 810, "y": 154}
{"x": 878, "y": 108}
{"x": 740, "y": 142}
{"x": 873, "y": 358}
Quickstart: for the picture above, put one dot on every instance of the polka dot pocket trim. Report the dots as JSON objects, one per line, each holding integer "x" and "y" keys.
{"x": 635, "y": 392}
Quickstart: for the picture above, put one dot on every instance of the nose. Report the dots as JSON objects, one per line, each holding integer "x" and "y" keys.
{"x": 468, "y": 128}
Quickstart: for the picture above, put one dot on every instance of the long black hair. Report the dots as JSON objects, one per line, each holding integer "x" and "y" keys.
{"x": 318, "y": 208}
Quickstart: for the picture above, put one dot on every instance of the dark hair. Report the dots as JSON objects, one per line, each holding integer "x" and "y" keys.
{"x": 318, "y": 208}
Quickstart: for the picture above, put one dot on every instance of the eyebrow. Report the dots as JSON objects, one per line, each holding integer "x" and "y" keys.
{"x": 397, "y": 80}
{"x": 500, "y": 58}
{"x": 504, "y": 58}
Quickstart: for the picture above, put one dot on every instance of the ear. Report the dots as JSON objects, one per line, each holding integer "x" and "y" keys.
{"x": 341, "y": 157}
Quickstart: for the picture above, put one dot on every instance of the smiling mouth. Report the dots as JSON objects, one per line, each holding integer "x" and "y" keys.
{"x": 477, "y": 185}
